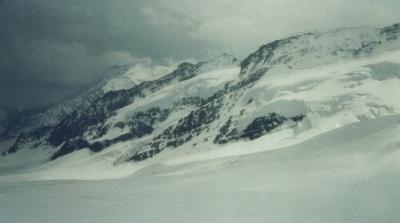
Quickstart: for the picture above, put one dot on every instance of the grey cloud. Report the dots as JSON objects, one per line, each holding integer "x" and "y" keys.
{"x": 241, "y": 26}
{"x": 50, "y": 49}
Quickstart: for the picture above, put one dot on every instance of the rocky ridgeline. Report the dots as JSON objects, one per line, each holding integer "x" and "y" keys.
{"x": 316, "y": 48}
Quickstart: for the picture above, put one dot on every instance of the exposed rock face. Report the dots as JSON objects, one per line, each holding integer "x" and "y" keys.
{"x": 391, "y": 32}
{"x": 257, "y": 128}
{"x": 265, "y": 124}
{"x": 140, "y": 124}
{"x": 32, "y": 140}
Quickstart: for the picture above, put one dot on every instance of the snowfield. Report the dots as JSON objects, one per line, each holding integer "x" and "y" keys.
{"x": 350, "y": 174}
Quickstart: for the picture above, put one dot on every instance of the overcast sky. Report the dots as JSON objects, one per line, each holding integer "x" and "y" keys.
{"x": 50, "y": 49}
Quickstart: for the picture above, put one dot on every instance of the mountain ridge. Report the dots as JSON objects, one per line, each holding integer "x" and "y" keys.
{"x": 223, "y": 101}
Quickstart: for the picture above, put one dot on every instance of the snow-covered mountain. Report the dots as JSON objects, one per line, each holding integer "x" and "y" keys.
{"x": 305, "y": 129}
{"x": 20, "y": 120}
{"x": 286, "y": 92}
{"x": 15, "y": 122}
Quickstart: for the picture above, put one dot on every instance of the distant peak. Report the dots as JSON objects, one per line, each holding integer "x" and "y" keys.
{"x": 224, "y": 57}
{"x": 185, "y": 65}
{"x": 321, "y": 47}
{"x": 220, "y": 61}
{"x": 184, "y": 69}
{"x": 395, "y": 28}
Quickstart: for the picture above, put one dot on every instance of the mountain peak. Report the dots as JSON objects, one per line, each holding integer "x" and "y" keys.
{"x": 315, "y": 48}
{"x": 224, "y": 57}
{"x": 220, "y": 61}
{"x": 395, "y": 28}
{"x": 185, "y": 66}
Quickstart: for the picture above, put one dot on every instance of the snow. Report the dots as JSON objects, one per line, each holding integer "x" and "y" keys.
{"x": 136, "y": 74}
{"x": 320, "y": 48}
{"x": 203, "y": 85}
{"x": 319, "y": 180}
{"x": 116, "y": 78}
{"x": 332, "y": 95}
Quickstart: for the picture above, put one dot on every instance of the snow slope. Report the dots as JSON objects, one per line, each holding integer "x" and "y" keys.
{"x": 319, "y": 180}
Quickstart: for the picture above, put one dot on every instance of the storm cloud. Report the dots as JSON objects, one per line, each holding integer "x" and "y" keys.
{"x": 51, "y": 49}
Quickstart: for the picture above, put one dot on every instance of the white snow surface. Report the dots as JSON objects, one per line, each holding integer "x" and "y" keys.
{"x": 350, "y": 174}
{"x": 136, "y": 74}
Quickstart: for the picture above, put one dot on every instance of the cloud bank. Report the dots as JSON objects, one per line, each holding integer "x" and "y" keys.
{"x": 51, "y": 49}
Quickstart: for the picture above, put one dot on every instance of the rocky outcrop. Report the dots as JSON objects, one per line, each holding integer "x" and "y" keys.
{"x": 257, "y": 128}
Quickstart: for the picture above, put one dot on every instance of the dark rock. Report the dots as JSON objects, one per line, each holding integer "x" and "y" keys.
{"x": 262, "y": 125}
{"x": 140, "y": 124}
{"x": 257, "y": 128}
{"x": 28, "y": 137}
{"x": 70, "y": 146}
